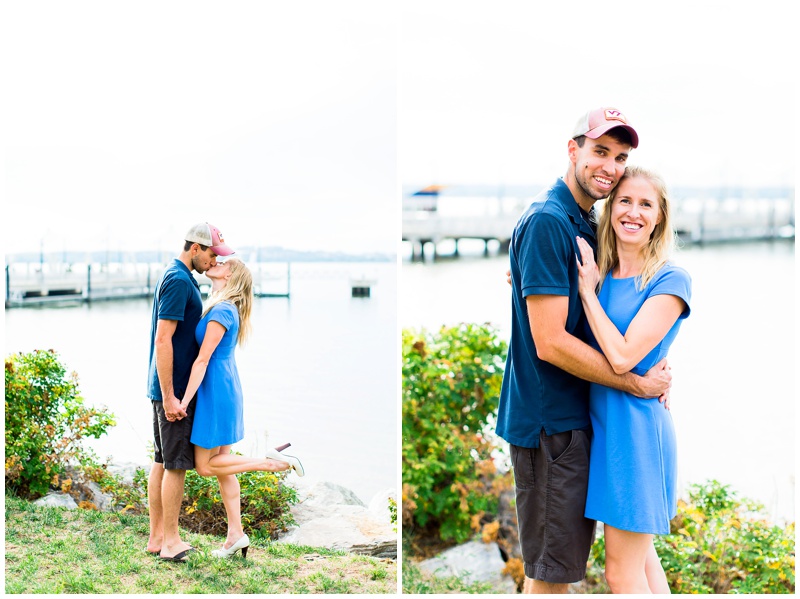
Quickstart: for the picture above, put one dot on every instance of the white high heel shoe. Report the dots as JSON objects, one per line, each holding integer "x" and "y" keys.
{"x": 242, "y": 544}
{"x": 274, "y": 454}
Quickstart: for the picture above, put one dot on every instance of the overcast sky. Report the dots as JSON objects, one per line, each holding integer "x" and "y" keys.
{"x": 126, "y": 122}
{"x": 292, "y": 124}
{"x": 491, "y": 91}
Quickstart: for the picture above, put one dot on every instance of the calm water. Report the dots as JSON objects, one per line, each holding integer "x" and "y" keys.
{"x": 320, "y": 371}
{"x": 733, "y": 362}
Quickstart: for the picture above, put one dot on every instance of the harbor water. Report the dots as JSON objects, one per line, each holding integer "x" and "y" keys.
{"x": 733, "y": 395}
{"x": 320, "y": 371}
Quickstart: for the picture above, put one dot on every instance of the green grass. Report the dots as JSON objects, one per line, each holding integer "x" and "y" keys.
{"x": 417, "y": 582}
{"x": 52, "y": 550}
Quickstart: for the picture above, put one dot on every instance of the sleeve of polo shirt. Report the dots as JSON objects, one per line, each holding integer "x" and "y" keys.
{"x": 225, "y": 314}
{"x": 673, "y": 281}
{"x": 545, "y": 255}
{"x": 172, "y": 299}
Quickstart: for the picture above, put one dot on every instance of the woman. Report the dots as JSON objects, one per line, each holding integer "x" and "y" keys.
{"x": 642, "y": 300}
{"x": 218, "y": 421}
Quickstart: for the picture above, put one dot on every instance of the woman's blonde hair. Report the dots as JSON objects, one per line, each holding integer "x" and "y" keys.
{"x": 238, "y": 291}
{"x": 662, "y": 240}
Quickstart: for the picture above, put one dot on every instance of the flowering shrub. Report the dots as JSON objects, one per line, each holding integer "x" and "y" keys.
{"x": 265, "y": 503}
{"x": 45, "y": 420}
{"x": 451, "y": 386}
{"x": 718, "y": 544}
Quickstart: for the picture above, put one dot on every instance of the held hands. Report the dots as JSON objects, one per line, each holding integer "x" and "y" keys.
{"x": 174, "y": 408}
{"x": 588, "y": 273}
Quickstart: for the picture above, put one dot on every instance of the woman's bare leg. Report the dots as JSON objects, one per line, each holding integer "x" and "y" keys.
{"x": 656, "y": 578}
{"x": 212, "y": 462}
{"x": 231, "y": 498}
{"x": 626, "y": 555}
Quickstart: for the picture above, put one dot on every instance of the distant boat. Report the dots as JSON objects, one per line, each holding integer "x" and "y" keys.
{"x": 430, "y": 190}
{"x": 424, "y": 199}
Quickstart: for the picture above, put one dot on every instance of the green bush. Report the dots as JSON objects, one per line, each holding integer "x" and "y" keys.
{"x": 451, "y": 387}
{"x": 265, "y": 500}
{"x": 718, "y": 544}
{"x": 265, "y": 503}
{"x": 45, "y": 421}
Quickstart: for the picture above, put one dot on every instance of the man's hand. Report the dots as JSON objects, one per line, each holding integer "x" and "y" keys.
{"x": 656, "y": 382}
{"x": 508, "y": 276}
{"x": 173, "y": 408}
{"x": 665, "y": 400}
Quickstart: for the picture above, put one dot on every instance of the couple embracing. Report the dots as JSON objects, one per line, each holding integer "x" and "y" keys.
{"x": 586, "y": 382}
{"x": 194, "y": 388}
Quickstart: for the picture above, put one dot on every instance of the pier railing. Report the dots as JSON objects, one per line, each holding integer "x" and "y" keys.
{"x": 29, "y": 284}
{"x": 702, "y": 220}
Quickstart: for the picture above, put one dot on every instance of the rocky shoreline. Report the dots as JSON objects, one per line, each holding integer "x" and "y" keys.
{"x": 327, "y": 515}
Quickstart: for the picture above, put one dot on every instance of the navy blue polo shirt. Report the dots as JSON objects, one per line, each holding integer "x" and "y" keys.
{"x": 537, "y": 395}
{"x": 177, "y": 297}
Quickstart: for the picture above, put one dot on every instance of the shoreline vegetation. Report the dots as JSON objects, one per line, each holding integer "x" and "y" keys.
{"x": 100, "y": 547}
{"x": 53, "y": 550}
{"x": 453, "y": 492}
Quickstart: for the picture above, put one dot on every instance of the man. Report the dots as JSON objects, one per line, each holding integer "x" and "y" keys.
{"x": 544, "y": 402}
{"x": 177, "y": 307}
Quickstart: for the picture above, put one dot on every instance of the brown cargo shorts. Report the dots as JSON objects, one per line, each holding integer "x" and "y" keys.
{"x": 551, "y": 482}
{"x": 173, "y": 447}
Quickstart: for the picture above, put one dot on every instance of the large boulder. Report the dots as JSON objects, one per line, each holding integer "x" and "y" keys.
{"x": 472, "y": 562}
{"x": 332, "y": 516}
{"x": 379, "y": 504}
{"x": 57, "y": 500}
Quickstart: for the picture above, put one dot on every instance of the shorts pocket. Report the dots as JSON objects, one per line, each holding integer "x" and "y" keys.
{"x": 522, "y": 459}
{"x": 576, "y": 451}
{"x": 558, "y": 446}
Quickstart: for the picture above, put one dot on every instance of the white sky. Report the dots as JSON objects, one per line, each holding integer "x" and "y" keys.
{"x": 292, "y": 124}
{"x": 126, "y": 122}
{"x": 492, "y": 91}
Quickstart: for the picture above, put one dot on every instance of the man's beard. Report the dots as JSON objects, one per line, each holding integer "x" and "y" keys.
{"x": 199, "y": 269}
{"x": 589, "y": 192}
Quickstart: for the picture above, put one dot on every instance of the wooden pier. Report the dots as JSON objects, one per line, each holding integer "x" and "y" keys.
{"x": 47, "y": 283}
{"x": 697, "y": 221}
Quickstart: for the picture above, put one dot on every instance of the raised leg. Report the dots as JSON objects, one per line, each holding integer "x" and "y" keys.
{"x": 212, "y": 462}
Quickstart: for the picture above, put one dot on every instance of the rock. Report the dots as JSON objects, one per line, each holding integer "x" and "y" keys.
{"x": 379, "y": 504}
{"x": 472, "y": 562}
{"x": 508, "y": 533}
{"x": 126, "y": 470}
{"x": 57, "y": 500}
{"x": 326, "y": 493}
{"x": 103, "y": 501}
{"x": 84, "y": 490}
{"x": 334, "y": 517}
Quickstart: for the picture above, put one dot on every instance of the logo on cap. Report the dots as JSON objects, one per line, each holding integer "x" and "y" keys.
{"x": 614, "y": 115}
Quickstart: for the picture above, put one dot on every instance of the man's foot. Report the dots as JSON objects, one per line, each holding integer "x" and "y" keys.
{"x": 154, "y": 546}
{"x": 172, "y": 552}
{"x": 183, "y": 556}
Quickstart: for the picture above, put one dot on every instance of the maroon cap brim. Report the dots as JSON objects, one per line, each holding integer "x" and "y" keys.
{"x": 606, "y": 127}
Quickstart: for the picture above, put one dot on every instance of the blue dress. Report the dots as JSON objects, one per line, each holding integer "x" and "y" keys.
{"x": 218, "y": 417}
{"x": 633, "y": 461}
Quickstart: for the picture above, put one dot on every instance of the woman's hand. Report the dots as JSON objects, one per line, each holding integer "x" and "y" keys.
{"x": 588, "y": 274}
{"x": 185, "y": 402}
